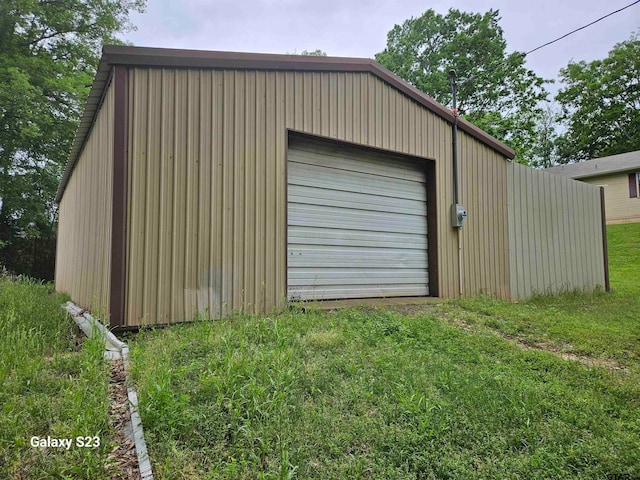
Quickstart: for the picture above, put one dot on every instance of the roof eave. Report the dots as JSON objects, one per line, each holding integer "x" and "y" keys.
{"x": 600, "y": 173}
{"x": 628, "y": 169}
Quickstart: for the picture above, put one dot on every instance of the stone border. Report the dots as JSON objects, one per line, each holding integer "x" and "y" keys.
{"x": 115, "y": 349}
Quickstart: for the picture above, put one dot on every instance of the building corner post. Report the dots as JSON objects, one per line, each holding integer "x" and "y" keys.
{"x": 119, "y": 198}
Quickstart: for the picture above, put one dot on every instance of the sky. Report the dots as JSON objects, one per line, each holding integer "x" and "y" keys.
{"x": 352, "y": 28}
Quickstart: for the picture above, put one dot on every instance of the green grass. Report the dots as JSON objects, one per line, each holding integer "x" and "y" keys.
{"x": 601, "y": 325}
{"x": 50, "y": 387}
{"x": 624, "y": 258}
{"x": 380, "y": 394}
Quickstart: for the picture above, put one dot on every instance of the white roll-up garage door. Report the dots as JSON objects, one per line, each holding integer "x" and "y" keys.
{"x": 357, "y": 223}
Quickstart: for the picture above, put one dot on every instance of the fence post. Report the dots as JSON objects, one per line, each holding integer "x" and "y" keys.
{"x": 605, "y": 250}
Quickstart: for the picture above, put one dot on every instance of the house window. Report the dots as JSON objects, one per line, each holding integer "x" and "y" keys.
{"x": 634, "y": 184}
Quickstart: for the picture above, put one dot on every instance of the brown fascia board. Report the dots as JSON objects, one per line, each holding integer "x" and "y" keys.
{"x": 177, "y": 58}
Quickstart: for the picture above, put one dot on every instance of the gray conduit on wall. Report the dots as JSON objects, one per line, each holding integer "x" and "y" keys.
{"x": 114, "y": 350}
{"x": 454, "y": 150}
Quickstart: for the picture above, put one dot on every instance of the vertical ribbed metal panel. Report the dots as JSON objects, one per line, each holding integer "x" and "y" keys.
{"x": 207, "y": 219}
{"x": 555, "y": 242}
{"x": 357, "y": 223}
{"x": 484, "y": 235}
{"x": 83, "y": 251}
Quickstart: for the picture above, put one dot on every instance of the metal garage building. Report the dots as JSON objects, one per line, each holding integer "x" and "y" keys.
{"x": 218, "y": 182}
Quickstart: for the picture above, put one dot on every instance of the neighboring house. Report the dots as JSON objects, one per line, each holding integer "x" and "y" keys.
{"x": 620, "y": 177}
{"x": 219, "y": 182}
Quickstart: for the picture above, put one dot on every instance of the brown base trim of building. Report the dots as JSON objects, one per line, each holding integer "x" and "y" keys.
{"x": 119, "y": 198}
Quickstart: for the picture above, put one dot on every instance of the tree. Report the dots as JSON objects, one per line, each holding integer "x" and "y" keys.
{"x": 314, "y": 53}
{"x": 49, "y": 50}
{"x": 601, "y": 105}
{"x": 495, "y": 89}
{"x": 310, "y": 53}
{"x": 544, "y": 152}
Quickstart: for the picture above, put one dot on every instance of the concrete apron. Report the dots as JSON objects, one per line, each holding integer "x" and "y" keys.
{"x": 114, "y": 350}
{"x": 367, "y": 302}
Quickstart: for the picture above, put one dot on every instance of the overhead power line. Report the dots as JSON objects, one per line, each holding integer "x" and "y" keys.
{"x": 581, "y": 28}
{"x": 473, "y": 77}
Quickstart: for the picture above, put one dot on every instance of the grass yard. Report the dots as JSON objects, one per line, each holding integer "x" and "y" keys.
{"x": 446, "y": 392}
{"x": 50, "y": 387}
{"x": 603, "y": 326}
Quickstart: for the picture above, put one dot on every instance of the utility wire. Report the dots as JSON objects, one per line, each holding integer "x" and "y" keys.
{"x": 473, "y": 77}
{"x": 582, "y": 28}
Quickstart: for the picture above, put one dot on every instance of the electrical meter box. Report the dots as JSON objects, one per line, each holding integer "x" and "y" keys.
{"x": 458, "y": 215}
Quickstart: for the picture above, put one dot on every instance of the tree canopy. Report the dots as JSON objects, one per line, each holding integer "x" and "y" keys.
{"x": 311, "y": 53}
{"x": 601, "y": 105}
{"x": 495, "y": 89}
{"x": 314, "y": 53}
{"x": 49, "y": 51}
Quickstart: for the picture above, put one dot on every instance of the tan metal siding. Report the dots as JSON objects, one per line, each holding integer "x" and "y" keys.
{"x": 484, "y": 235}
{"x": 216, "y": 142}
{"x": 555, "y": 240}
{"x": 83, "y": 251}
{"x": 619, "y": 207}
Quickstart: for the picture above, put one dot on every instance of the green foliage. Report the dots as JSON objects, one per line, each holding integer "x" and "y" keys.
{"x": 314, "y": 53}
{"x": 311, "y": 53}
{"x": 496, "y": 90}
{"x": 48, "y": 54}
{"x": 50, "y": 386}
{"x": 601, "y": 105}
{"x": 544, "y": 152}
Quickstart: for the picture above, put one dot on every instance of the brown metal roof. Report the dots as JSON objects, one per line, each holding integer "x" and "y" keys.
{"x": 163, "y": 57}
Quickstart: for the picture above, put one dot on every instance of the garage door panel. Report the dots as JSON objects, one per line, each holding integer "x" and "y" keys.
{"x": 357, "y": 225}
{"x": 336, "y": 292}
{"x": 332, "y": 179}
{"x": 354, "y": 276}
{"x": 341, "y": 161}
{"x": 359, "y": 201}
{"x": 353, "y": 250}
{"x": 339, "y": 257}
{"x": 355, "y": 221}
{"x": 348, "y": 237}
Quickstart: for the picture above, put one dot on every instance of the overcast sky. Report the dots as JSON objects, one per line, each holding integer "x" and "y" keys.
{"x": 359, "y": 28}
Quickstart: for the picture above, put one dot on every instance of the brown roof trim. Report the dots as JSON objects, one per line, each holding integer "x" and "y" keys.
{"x": 176, "y": 58}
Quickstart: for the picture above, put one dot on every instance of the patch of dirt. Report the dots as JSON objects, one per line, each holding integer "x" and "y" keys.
{"x": 412, "y": 310}
{"x": 123, "y": 457}
{"x": 564, "y": 351}
{"x": 63, "y": 355}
